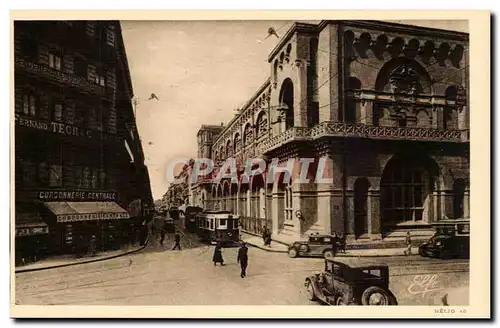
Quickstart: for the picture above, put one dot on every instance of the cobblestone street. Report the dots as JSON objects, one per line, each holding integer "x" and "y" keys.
{"x": 158, "y": 276}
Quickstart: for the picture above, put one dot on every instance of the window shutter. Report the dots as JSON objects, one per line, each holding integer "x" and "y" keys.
{"x": 91, "y": 73}
{"x": 43, "y": 55}
{"x": 111, "y": 78}
{"x": 68, "y": 64}
{"x": 90, "y": 28}
{"x": 44, "y": 111}
{"x": 70, "y": 112}
{"x": 19, "y": 100}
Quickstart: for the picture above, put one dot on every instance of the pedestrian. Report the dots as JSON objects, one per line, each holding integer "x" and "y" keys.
{"x": 264, "y": 235}
{"x": 243, "y": 259}
{"x": 92, "y": 246}
{"x": 408, "y": 244}
{"x": 162, "y": 233}
{"x": 177, "y": 241}
{"x": 217, "y": 258}
{"x": 342, "y": 242}
{"x": 268, "y": 238}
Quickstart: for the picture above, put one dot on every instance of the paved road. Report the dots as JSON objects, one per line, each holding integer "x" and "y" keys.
{"x": 159, "y": 276}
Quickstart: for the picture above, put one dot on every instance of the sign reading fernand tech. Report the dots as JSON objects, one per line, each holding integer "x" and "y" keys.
{"x": 76, "y": 196}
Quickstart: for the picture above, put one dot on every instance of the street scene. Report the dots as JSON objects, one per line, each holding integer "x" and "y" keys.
{"x": 320, "y": 163}
{"x": 160, "y": 276}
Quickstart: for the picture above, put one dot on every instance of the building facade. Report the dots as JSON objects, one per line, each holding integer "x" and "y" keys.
{"x": 79, "y": 164}
{"x": 383, "y": 106}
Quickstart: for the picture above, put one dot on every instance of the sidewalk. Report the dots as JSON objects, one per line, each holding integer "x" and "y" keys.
{"x": 278, "y": 247}
{"x": 59, "y": 262}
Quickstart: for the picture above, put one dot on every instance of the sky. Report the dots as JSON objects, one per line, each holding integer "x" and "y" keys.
{"x": 201, "y": 71}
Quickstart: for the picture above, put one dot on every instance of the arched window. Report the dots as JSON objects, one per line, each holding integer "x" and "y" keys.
{"x": 405, "y": 189}
{"x": 261, "y": 124}
{"x": 287, "y": 102}
{"x": 237, "y": 143}
{"x": 247, "y": 135}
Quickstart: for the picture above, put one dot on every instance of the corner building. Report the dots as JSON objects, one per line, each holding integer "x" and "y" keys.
{"x": 79, "y": 164}
{"x": 385, "y": 105}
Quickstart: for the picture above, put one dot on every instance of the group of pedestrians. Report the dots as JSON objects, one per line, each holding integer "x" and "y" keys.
{"x": 177, "y": 239}
{"x": 242, "y": 258}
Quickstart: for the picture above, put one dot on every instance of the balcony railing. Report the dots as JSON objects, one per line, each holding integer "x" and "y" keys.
{"x": 292, "y": 134}
{"x": 333, "y": 129}
{"x": 57, "y": 76}
{"x": 344, "y": 130}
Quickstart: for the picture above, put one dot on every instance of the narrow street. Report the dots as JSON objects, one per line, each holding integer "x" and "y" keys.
{"x": 159, "y": 276}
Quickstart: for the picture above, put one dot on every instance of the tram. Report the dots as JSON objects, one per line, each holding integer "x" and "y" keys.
{"x": 218, "y": 227}
{"x": 190, "y": 217}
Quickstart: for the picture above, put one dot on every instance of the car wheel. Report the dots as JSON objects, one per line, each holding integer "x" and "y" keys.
{"x": 310, "y": 291}
{"x": 292, "y": 252}
{"x": 375, "y": 296}
{"x": 328, "y": 254}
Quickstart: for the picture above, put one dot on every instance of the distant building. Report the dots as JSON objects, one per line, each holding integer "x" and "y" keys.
{"x": 384, "y": 105}
{"x": 79, "y": 163}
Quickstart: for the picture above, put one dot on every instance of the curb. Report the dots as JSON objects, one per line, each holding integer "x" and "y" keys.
{"x": 85, "y": 262}
{"x": 338, "y": 255}
{"x": 265, "y": 249}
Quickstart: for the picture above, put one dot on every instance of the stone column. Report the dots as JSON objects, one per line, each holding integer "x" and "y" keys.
{"x": 277, "y": 210}
{"x": 436, "y": 207}
{"x": 299, "y": 95}
{"x": 350, "y": 224}
{"x": 366, "y": 112}
{"x": 374, "y": 221}
{"x": 437, "y": 117}
{"x": 324, "y": 206}
{"x": 467, "y": 203}
{"x": 446, "y": 201}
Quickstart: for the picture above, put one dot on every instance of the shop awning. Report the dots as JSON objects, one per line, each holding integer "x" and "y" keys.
{"x": 86, "y": 211}
{"x": 30, "y": 224}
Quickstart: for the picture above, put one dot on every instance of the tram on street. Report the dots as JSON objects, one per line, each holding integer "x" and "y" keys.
{"x": 218, "y": 227}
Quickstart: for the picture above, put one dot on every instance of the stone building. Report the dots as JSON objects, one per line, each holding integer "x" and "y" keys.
{"x": 79, "y": 162}
{"x": 384, "y": 105}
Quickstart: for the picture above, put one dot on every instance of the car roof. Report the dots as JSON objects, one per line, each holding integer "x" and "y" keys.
{"x": 357, "y": 262}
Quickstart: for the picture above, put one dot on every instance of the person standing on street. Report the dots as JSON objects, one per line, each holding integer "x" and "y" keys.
{"x": 408, "y": 244}
{"x": 217, "y": 258}
{"x": 243, "y": 259}
{"x": 177, "y": 241}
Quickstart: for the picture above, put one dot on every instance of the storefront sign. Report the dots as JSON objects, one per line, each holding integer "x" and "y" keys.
{"x": 50, "y": 195}
{"x": 60, "y": 128}
{"x": 21, "y": 232}
{"x": 92, "y": 216}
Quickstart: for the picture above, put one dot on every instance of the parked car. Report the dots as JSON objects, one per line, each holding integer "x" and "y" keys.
{"x": 316, "y": 245}
{"x": 341, "y": 284}
{"x": 451, "y": 240}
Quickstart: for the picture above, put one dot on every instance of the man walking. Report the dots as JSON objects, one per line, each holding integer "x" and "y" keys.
{"x": 408, "y": 244}
{"x": 177, "y": 241}
{"x": 243, "y": 259}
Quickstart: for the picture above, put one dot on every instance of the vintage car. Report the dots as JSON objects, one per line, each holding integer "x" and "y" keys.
{"x": 451, "y": 240}
{"x": 316, "y": 245}
{"x": 341, "y": 284}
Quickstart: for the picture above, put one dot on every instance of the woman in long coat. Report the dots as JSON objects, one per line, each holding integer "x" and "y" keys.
{"x": 217, "y": 258}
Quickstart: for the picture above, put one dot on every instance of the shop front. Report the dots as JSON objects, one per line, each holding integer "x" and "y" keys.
{"x": 87, "y": 227}
{"x": 31, "y": 234}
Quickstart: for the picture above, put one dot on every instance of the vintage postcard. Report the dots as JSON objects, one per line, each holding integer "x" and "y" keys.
{"x": 288, "y": 165}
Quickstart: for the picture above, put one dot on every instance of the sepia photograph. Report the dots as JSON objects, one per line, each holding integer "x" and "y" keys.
{"x": 319, "y": 162}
